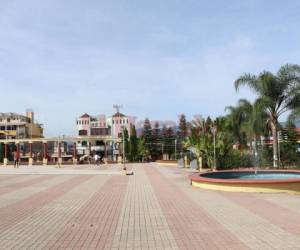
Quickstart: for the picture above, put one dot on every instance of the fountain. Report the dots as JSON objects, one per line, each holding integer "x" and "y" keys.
{"x": 249, "y": 181}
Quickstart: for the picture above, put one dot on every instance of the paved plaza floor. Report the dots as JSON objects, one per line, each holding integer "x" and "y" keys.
{"x": 91, "y": 207}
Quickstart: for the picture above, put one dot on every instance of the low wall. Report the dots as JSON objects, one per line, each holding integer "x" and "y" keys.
{"x": 167, "y": 163}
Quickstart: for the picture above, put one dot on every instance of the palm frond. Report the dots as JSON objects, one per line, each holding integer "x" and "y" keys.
{"x": 247, "y": 80}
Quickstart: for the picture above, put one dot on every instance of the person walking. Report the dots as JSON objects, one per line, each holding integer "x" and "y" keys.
{"x": 97, "y": 159}
{"x": 16, "y": 159}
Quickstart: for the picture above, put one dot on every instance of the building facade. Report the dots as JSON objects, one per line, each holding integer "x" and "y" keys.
{"x": 102, "y": 128}
{"x": 101, "y": 125}
{"x": 17, "y": 126}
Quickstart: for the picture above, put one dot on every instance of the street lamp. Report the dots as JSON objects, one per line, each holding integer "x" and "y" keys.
{"x": 123, "y": 138}
{"x": 214, "y": 131}
{"x": 278, "y": 141}
{"x": 58, "y": 151}
{"x": 175, "y": 148}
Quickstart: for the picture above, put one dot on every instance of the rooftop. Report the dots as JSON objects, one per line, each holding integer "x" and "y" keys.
{"x": 118, "y": 114}
{"x": 85, "y": 115}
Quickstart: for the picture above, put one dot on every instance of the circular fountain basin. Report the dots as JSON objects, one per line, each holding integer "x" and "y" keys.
{"x": 249, "y": 181}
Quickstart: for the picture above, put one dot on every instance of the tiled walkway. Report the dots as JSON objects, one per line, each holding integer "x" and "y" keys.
{"x": 156, "y": 208}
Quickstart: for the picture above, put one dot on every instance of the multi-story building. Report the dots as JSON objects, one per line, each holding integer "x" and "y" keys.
{"x": 102, "y": 127}
{"x": 16, "y": 126}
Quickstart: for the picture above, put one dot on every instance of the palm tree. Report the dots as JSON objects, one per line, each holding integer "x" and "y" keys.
{"x": 294, "y": 115}
{"x": 237, "y": 117}
{"x": 276, "y": 94}
{"x": 199, "y": 140}
{"x": 245, "y": 122}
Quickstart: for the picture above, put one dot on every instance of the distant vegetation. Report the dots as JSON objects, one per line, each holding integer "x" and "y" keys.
{"x": 247, "y": 136}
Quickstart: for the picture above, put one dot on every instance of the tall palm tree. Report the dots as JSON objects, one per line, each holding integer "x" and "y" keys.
{"x": 237, "y": 117}
{"x": 276, "y": 94}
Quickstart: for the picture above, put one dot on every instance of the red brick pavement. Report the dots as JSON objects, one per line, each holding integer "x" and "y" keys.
{"x": 94, "y": 225}
{"x": 191, "y": 226}
{"x": 28, "y": 183}
{"x": 14, "y": 213}
{"x": 283, "y": 217}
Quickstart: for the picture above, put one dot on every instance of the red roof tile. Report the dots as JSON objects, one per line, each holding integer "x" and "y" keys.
{"x": 85, "y": 115}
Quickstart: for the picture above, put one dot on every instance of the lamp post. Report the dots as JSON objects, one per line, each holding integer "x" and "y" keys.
{"x": 214, "y": 131}
{"x": 5, "y": 160}
{"x": 278, "y": 141}
{"x": 175, "y": 149}
{"x": 58, "y": 152}
{"x": 123, "y": 139}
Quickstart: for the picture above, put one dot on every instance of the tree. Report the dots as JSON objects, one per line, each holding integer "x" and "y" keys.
{"x": 289, "y": 154}
{"x": 245, "y": 123}
{"x": 183, "y": 128}
{"x": 126, "y": 143}
{"x": 182, "y": 131}
{"x": 276, "y": 94}
{"x": 164, "y": 139}
{"x": 238, "y": 115}
{"x": 170, "y": 140}
{"x": 143, "y": 152}
{"x": 147, "y": 135}
{"x": 156, "y": 141}
{"x": 200, "y": 140}
{"x": 133, "y": 144}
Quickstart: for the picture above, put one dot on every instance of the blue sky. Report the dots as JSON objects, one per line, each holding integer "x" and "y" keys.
{"x": 157, "y": 58}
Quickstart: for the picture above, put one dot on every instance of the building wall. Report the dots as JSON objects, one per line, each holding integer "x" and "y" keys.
{"x": 16, "y": 126}
{"x": 101, "y": 125}
{"x": 118, "y": 123}
{"x": 83, "y": 124}
{"x": 34, "y": 131}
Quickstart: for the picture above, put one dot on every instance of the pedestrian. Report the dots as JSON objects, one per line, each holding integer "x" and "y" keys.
{"x": 16, "y": 159}
{"x": 96, "y": 158}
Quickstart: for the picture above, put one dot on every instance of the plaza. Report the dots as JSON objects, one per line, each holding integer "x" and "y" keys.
{"x": 98, "y": 207}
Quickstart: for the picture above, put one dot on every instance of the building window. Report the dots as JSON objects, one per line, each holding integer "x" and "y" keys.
{"x": 82, "y": 132}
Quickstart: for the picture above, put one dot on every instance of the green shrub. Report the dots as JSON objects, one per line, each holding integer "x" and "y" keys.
{"x": 235, "y": 159}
